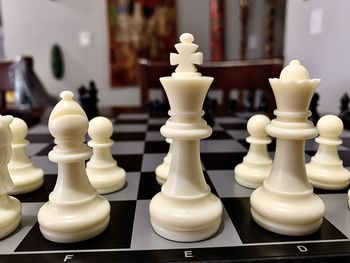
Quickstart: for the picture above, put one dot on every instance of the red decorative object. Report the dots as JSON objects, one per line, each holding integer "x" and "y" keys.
{"x": 217, "y": 30}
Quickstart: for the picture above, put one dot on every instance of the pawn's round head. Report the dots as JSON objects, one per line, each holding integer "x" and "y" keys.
{"x": 294, "y": 71}
{"x": 19, "y": 129}
{"x": 100, "y": 129}
{"x": 330, "y": 126}
{"x": 256, "y": 126}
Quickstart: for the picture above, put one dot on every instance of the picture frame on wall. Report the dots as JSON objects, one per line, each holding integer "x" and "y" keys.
{"x": 138, "y": 29}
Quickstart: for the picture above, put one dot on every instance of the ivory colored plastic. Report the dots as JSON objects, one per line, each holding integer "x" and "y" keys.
{"x": 102, "y": 170}
{"x": 285, "y": 204}
{"x": 10, "y": 207}
{"x": 25, "y": 176}
{"x": 162, "y": 170}
{"x": 256, "y": 165}
{"x": 185, "y": 210}
{"x": 75, "y": 211}
{"x": 326, "y": 170}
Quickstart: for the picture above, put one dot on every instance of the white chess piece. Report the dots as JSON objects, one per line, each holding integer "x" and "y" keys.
{"x": 74, "y": 211}
{"x": 103, "y": 172}
{"x": 25, "y": 176}
{"x": 185, "y": 210}
{"x": 162, "y": 170}
{"x": 286, "y": 204}
{"x": 10, "y": 207}
{"x": 257, "y": 164}
{"x": 326, "y": 170}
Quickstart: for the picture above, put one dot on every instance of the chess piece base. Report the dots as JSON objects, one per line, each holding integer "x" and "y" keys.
{"x": 292, "y": 214}
{"x": 106, "y": 180}
{"x": 10, "y": 214}
{"x": 329, "y": 177}
{"x": 162, "y": 172}
{"x": 75, "y": 221}
{"x": 252, "y": 175}
{"x": 26, "y": 179}
{"x": 185, "y": 219}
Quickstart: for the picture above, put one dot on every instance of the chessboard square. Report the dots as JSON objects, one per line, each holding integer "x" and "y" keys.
{"x": 132, "y": 116}
{"x": 319, "y": 191}
{"x": 154, "y": 127}
{"x": 217, "y": 127}
{"x": 221, "y": 161}
{"x": 230, "y": 120}
{"x": 129, "y": 191}
{"x": 46, "y": 149}
{"x": 250, "y": 232}
{"x": 238, "y": 134}
{"x": 42, "y": 193}
{"x": 151, "y": 161}
{"x": 226, "y": 185}
{"x": 130, "y": 121}
{"x": 44, "y": 163}
{"x": 156, "y": 147}
{"x": 345, "y": 134}
{"x": 144, "y": 238}
{"x": 117, "y": 235}
{"x": 234, "y": 126}
{"x": 29, "y": 218}
{"x": 148, "y": 186}
{"x": 129, "y": 162}
{"x": 345, "y": 157}
{"x": 311, "y": 145}
{"x": 209, "y": 146}
{"x": 219, "y": 135}
{"x": 40, "y": 138}
{"x": 130, "y": 147}
{"x": 128, "y": 136}
{"x": 39, "y": 129}
{"x": 346, "y": 143}
{"x": 337, "y": 211}
{"x": 159, "y": 121}
{"x": 130, "y": 128}
{"x": 34, "y": 148}
{"x": 154, "y": 136}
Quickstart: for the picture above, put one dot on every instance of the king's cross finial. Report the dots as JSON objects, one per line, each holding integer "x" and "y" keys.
{"x": 187, "y": 58}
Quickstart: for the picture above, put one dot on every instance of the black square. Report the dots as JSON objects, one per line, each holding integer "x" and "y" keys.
{"x": 156, "y": 146}
{"x": 346, "y": 142}
{"x": 128, "y": 136}
{"x": 221, "y": 161}
{"x": 250, "y": 232}
{"x": 129, "y": 162}
{"x": 154, "y": 127}
{"x": 131, "y": 121}
{"x": 234, "y": 126}
{"x": 41, "y": 194}
{"x": 345, "y": 157}
{"x": 117, "y": 235}
{"x": 148, "y": 186}
{"x": 219, "y": 135}
{"x": 39, "y": 138}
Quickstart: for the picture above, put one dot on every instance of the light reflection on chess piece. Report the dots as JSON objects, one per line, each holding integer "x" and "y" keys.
{"x": 185, "y": 210}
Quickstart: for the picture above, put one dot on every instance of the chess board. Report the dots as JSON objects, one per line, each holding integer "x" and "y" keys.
{"x": 139, "y": 148}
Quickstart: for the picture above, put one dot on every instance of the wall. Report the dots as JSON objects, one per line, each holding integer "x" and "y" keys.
{"x": 325, "y": 55}
{"x": 32, "y": 27}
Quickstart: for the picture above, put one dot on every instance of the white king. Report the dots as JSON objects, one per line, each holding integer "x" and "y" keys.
{"x": 185, "y": 210}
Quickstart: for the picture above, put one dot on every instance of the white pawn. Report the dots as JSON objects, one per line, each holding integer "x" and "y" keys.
{"x": 256, "y": 165}
{"x": 75, "y": 211}
{"x": 326, "y": 170}
{"x": 102, "y": 170}
{"x": 25, "y": 176}
{"x": 10, "y": 207}
{"x": 162, "y": 170}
